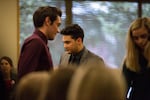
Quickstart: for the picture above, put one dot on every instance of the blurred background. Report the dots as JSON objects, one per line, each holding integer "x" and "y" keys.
{"x": 105, "y": 24}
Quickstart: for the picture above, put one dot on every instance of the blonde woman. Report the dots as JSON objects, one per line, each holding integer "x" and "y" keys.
{"x": 136, "y": 65}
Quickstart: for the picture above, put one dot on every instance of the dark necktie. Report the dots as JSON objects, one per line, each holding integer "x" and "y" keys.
{"x": 74, "y": 59}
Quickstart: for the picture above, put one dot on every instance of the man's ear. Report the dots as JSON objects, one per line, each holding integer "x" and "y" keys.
{"x": 79, "y": 40}
{"x": 47, "y": 21}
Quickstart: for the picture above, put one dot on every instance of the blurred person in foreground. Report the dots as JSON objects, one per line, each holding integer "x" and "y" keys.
{"x": 35, "y": 55}
{"x": 57, "y": 88}
{"x": 136, "y": 65}
{"x": 96, "y": 82}
{"x": 32, "y": 86}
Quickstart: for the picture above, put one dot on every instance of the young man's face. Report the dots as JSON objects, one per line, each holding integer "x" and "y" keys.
{"x": 70, "y": 45}
{"x": 53, "y": 29}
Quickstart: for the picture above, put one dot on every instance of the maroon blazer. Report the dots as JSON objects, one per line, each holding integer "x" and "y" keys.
{"x": 35, "y": 55}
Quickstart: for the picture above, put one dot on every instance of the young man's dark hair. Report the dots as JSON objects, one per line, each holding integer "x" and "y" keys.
{"x": 74, "y": 30}
{"x": 42, "y": 12}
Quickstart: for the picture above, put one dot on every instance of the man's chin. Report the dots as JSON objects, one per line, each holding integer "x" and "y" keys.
{"x": 51, "y": 39}
{"x": 68, "y": 52}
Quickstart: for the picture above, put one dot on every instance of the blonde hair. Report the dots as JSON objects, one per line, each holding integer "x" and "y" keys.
{"x": 95, "y": 82}
{"x": 58, "y": 84}
{"x": 31, "y": 86}
{"x": 132, "y": 53}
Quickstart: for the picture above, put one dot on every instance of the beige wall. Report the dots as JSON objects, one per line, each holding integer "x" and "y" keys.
{"x": 8, "y": 29}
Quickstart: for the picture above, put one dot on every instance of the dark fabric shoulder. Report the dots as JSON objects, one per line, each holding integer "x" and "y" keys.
{"x": 3, "y": 92}
{"x": 128, "y": 74}
{"x": 92, "y": 57}
{"x": 33, "y": 44}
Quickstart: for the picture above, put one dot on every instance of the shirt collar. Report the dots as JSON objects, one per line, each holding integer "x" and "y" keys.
{"x": 41, "y": 35}
{"x": 79, "y": 54}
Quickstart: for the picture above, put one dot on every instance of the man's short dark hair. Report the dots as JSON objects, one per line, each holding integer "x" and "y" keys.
{"x": 45, "y": 11}
{"x": 74, "y": 30}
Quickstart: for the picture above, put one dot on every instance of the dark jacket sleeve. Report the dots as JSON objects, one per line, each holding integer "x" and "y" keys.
{"x": 129, "y": 75}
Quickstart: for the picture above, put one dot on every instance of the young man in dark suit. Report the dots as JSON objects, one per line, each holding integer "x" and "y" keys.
{"x": 75, "y": 51}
